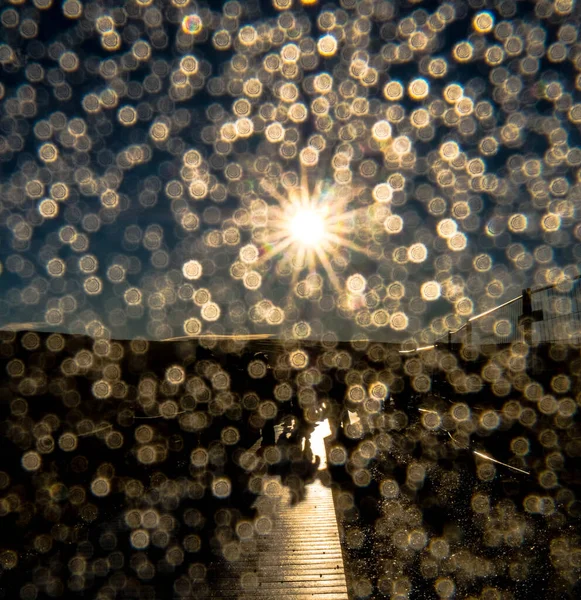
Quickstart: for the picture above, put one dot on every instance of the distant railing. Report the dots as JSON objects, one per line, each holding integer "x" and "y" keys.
{"x": 550, "y": 314}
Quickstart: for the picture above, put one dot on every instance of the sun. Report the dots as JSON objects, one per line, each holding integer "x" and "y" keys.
{"x": 307, "y": 227}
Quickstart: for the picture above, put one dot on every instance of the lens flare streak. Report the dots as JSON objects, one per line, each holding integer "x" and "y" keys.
{"x": 486, "y": 457}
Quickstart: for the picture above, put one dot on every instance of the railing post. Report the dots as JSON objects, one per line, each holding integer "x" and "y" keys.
{"x": 527, "y": 316}
{"x": 525, "y": 321}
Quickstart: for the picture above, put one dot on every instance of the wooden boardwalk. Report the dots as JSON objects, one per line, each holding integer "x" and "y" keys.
{"x": 300, "y": 559}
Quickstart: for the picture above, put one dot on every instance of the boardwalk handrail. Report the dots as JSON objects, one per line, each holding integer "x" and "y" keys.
{"x": 554, "y": 285}
{"x": 490, "y": 311}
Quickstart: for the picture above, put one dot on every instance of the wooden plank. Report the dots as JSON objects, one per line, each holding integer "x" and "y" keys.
{"x": 300, "y": 559}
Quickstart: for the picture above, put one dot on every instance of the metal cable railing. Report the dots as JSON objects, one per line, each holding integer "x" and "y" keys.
{"x": 550, "y": 314}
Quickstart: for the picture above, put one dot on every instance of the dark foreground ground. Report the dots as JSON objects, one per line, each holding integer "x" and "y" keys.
{"x": 134, "y": 469}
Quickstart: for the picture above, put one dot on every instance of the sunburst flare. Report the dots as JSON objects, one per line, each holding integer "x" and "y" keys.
{"x": 309, "y": 225}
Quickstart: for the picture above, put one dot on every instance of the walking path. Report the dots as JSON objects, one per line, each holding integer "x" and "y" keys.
{"x": 300, "y": 559}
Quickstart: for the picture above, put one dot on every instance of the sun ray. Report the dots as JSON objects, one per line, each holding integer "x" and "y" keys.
{"x": 329, "y": 270}
{"x": 285, "y": 243}
{"x": 296, "y": 273}
{"x": 318, "y": 191}
{"x": 276, "y": 237}
{"x": 270, "y": 188}
{"x": 305, "y": 196}
{"x": 300, "y": 257}
{"x": 348, "y": 244}
{"x": 311, "y": 260}
{"x": 345, "y": 216}
{"x": 278, "y": 211}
